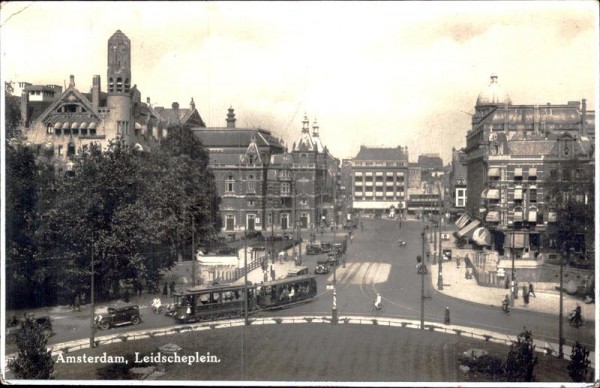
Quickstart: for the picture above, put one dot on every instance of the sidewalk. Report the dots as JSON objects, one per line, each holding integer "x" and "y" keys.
{"x": 455, "y": 285}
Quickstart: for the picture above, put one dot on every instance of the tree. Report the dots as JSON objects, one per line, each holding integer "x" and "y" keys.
{"x": 12, "y": 110}
{"x": 29, "y": 191}
{"x": 570, "y": 193}
{"x": 34, "y": 360}
{"x": 521, "y": 359}
{"x": 578, "y": 367}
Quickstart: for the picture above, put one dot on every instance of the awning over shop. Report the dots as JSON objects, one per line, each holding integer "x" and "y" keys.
{"x": 462, "y": 221}
{"x": 518, "y": 216}
{"x": 532, "y": 172}
{"x": 494, "y": 172}
{"x": 532, "y": 216}
{"x": 518, "y": 193}
{"x": 468, "y": 230}
{"x": 482, "y": 237}
{"x": 493, "y": 194}
{"x": 493, "y": 216}
{"x": 484, "y": 193}
{"x": 518, "y": 172}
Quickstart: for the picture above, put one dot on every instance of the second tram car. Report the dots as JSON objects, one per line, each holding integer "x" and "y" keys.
{"x": 202, "y": 303}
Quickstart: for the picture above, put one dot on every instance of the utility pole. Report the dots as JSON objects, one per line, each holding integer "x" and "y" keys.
{"x": 245, "y": 277}
{"x": 561, "y": 340}
{"x": 440, "y": 278}
{"x": 93, "y": 312}
{"x": 193, "y": 253}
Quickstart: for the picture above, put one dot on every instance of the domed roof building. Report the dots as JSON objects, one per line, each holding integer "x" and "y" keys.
{"x": 494, "y": 94}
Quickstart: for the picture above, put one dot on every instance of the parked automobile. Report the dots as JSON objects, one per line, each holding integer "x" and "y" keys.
{"x": 447, "y": 254}
{"x": 14, "y": 327}
{"x": 326, "y": 247}
{"x": 322, "y": 269}
{"x": 350, "y": 224}
{"x": 340, "y": 246}
{"x": 313, "y": 249}
{"x": 118, "y": 316}
{"x": 333, "y": 258}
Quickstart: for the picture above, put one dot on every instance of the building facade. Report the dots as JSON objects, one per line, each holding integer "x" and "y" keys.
{"x": 457, "y": 183}
{"x": 70, "y": 122}
{"x": 513, "y": 152}
{"x": 263, "y": 187}
{"x": 379, "y": 180}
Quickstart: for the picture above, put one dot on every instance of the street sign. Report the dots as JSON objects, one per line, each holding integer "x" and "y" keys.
{"x": 422, "y": 270}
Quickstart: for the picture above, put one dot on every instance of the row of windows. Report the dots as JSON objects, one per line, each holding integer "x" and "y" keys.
{"x": 50, "y": 130}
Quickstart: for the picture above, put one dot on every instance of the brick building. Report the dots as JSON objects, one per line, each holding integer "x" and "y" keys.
{"x": 512, "y": 153}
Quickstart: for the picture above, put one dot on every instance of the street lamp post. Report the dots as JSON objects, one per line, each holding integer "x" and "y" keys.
{"x": 561, "y": 340}
{"x": 334, "y": 314}
{"x": 93, "y": 312}
{"x": 440, "y": 281}
{"x": 422, "y": 272}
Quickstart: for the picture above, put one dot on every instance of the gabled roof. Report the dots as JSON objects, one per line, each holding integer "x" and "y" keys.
{"x": 185, "y": 116}
{"x": 69, "y": 95}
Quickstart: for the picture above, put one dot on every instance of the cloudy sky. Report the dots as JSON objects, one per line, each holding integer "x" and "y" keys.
{"x": 379, "y": 74}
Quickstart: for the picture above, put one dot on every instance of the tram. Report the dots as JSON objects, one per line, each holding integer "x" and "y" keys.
{"x": 205, "y": 303}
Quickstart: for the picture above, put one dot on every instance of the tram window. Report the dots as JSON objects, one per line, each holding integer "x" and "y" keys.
{"x": 214, "y": 298}
{"x": 203, "y": 299}
{"x": 227, "y": 296}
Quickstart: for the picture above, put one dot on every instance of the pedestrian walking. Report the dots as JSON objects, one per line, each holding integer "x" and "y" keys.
{"x": 400, "y": 225}
{"x": 172, "y": 287}
{"x": 525, "y": 296}
{"x": 165, "y": 290}
{"x": 447, "y": 316}
{"x": 531, "y": 290}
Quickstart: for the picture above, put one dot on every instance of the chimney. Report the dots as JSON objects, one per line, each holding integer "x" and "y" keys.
{"x": 72, "y": 81}
{"x": 96, "y": 93}
{"x": 583, "y": 116}
{"x": 230, "y": 118}
{"x": 175, "y": 106}
{"x": 192, "y": 104}
{"x": 24, "y": 106}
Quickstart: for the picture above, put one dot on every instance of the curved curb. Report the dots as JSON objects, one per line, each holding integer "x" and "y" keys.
{"x": 67, "y": 347}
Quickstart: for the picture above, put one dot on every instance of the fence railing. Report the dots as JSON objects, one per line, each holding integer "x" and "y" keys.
{"x": 67, "y": 347}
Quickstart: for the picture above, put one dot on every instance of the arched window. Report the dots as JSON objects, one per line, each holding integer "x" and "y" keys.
{"x": 119, "y": 84}
{"x": 127, "y": 84}
{"x": 111, "y": 85}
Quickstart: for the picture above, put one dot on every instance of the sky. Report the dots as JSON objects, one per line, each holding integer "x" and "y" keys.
{"x": 375, "y": 74}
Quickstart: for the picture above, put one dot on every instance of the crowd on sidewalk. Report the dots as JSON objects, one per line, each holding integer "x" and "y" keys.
{"x": 458, "y": 281}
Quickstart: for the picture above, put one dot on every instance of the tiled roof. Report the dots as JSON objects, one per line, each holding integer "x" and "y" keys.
{"x": 36, "y": 108}
{"x": 367, "y": 153}
{"x": 430, "y": 161}
{"x": 235, "y": 137}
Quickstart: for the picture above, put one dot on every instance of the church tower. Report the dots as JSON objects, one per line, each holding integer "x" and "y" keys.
{"x": 119, "y": 84}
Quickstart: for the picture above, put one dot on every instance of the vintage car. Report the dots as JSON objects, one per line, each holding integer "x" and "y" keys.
{"x": 340, "y": 246}
{"x": 313, "y": 249}
{"x": 322, "y": 269}
{"x": 326, "y": 247}
{"x": 350, "y": 224}
{"x": 118, "y": 316}
{"x": 15, "y": 326}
